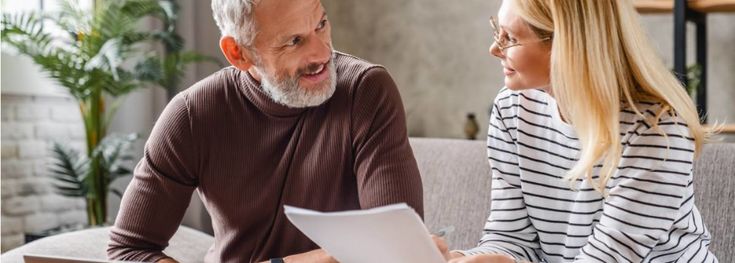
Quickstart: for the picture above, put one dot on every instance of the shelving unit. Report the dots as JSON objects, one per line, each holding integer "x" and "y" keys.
{"x": 694, "y": 11}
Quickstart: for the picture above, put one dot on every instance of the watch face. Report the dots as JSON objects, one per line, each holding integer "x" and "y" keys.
{"x": 276, "y": 260}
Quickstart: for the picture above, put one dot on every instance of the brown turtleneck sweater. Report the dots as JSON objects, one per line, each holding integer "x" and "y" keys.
{"x": 247, "y": 156}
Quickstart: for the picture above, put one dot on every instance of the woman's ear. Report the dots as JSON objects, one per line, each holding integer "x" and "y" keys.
{"x": 237, "y": 56}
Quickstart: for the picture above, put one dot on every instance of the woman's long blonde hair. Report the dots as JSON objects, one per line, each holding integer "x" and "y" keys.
{"x": 601, "y": 61}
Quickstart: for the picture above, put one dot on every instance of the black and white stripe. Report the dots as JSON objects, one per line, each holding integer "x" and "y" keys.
{"x": 648, "y": 216}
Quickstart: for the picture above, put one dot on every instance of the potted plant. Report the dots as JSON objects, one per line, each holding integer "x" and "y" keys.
{"x": 100, "y": 58}
{"x": 167, "y": 69}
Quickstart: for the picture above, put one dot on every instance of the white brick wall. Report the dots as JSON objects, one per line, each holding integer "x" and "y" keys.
{"x": 30, "y": 125}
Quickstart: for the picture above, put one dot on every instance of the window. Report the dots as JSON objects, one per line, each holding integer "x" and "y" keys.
{"x": 20, "y": 76}
{"x": 16, "y": 6}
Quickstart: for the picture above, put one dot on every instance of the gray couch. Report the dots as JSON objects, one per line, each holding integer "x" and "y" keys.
{"x": 456, "y": 192}
{"x": 457, "y": 182}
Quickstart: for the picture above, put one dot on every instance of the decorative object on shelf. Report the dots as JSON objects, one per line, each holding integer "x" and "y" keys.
{"x": 92, "y": 61}
{"x": 470, "y": 127}
{"x": 694, "y": 75}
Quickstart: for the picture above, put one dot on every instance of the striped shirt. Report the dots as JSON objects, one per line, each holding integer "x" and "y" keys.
{"x": 649, "y": 215}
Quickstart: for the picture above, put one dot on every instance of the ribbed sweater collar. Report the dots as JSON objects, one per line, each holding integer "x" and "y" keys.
{"x": 254, "y": 92}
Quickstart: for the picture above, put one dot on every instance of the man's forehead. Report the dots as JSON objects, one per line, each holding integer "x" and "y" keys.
{"x": 279, "y": 17}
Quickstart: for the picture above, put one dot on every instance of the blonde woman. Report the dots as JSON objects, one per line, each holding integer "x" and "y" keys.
{"x": 591, "y": 143}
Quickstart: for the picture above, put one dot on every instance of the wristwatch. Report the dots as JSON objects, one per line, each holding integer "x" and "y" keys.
{"x": 276, "y": 260}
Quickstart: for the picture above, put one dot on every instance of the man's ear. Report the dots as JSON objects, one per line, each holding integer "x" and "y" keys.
{"x": 235, "y": 54}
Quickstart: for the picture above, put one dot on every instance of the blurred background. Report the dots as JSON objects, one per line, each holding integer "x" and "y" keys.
{"x": 436, "y": 51}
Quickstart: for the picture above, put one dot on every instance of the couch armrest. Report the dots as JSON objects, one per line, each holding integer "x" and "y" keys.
{"x": 187, "y": 245}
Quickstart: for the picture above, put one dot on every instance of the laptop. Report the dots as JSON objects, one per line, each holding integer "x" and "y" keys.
{"x": 30, "y": 258}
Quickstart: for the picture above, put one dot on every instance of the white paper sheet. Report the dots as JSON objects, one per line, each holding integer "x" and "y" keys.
{"x": 387, "y": 234}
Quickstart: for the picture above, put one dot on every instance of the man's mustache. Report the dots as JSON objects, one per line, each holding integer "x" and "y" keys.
{"x": 312, "y": 68}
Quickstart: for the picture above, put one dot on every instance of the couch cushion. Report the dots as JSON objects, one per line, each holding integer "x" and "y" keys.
{"x": 714, "y": 195}
{"x": 456, "y": 180}
{"x": 187, "y": 245}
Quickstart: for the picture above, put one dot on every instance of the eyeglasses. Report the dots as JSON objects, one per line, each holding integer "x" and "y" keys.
{"x": 503, "y": 41}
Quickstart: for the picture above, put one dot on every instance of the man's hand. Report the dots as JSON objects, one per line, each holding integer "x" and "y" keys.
{"x": 483, "y": 259}
{"x": 314, "y": 256}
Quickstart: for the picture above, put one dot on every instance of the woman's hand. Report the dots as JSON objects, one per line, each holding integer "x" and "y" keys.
{"x": 493, "y": 258}
{"x": 443, "y": 248}
{"x": 314, "y": 256}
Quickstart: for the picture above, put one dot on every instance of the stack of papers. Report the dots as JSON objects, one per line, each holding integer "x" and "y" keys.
{"x": 387, "y": 234}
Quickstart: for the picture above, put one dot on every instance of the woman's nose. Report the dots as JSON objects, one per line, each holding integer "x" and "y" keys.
{"x": 495, "y": 50}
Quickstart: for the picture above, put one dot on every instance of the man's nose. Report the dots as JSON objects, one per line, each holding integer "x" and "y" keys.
{"x": 320, "y": 51}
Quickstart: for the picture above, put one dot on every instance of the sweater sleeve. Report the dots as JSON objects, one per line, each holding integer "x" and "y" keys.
{"x": 385, "y": 167}
{"x": 508, "y": 229}
{"x": 155, "y": 201}
{"x": 649, "y": 195}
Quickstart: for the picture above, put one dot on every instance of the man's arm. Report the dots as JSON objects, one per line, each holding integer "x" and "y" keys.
{"x": 156, "y": 199}
{"x": 384, "y": 163}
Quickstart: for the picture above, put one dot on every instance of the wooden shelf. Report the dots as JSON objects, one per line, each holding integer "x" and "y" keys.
{"x": 653, "y": 6}
{"x": 665, "y": 6}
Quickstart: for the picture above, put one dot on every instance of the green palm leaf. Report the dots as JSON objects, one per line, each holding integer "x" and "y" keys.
{"x": 113, "y": 153}
{"x": 69, "y": 170}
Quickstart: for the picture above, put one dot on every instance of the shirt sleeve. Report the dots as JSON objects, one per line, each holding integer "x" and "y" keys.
{"x": 508, "y": 229}
{"x": 385, "y": 167}
{"x": 648, "y": 196}
{"x": 155, "y": 201}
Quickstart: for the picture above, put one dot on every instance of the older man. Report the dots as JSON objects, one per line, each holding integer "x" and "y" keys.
{"x": 291, "y": 122}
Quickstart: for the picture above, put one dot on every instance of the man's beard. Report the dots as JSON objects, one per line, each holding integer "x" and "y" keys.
{"x": 287, "y": 91}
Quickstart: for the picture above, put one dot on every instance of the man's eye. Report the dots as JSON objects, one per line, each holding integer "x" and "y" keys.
{"x": 322, "y": 24}
{"x": 295, "y": 41}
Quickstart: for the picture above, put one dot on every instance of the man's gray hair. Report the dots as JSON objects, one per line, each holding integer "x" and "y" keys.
{"x": 235, "y": 18}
